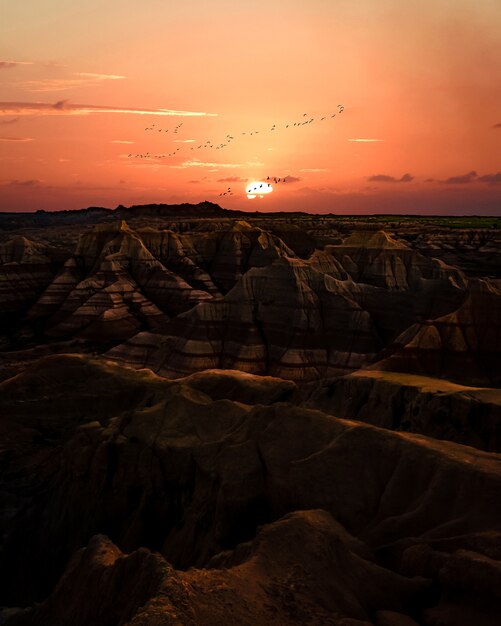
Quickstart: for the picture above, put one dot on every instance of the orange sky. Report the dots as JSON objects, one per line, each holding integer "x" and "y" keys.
{"x": 77, "y": 79}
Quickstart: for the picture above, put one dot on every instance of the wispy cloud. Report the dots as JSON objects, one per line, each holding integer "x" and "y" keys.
{"x": 82, "y": 79}
{"x": 121, "y": 141}
{"x": 497, "y": 125}
{"x": 314, "y": 169}
{"x": 197, "y": 163}
{"x": 16, "y": 139}
{"x": 184, "y": 140}
{"x": 7, "y": 65}
{"x": 292, "y": 179}
{"x": 463, "y": 179}
{"x": 232, "y": 179}
{"x": 384, "y": 178}
{"x": 365, "y": 140}
{"x": 64, "y": 107}
{"x": 14, "y": 120}
{"x": 95, "y": 76}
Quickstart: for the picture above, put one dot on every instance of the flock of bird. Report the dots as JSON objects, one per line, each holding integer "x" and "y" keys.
{"x": 164, "y": 130}
{"x": 209, "y": 144}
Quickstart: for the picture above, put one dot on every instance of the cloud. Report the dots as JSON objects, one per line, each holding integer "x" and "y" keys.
{"x": 292, "y": 179}
{"x": 184, "y": 140}
{"x": 84, "y": 79}
{"x": 470, "y": 177}
{"x": 194, "y": 181}
{"x": 384, "y": 178}
{"x": 64, "y": 107}
{"x": 99, "y": 76}
{"x": 314, "y": 169}
{"x": 365, "y": 140}
{"x": 491, "y": 179}
{"x": 7, "y": 65}
{"x": 120, "y": 141}
{"x": 232, "y": 179}
{"x": 462, "y": 179}
{"x": 197, "y": 163}
{"x": 497, "y": 125}
{"x": 14, "y": 120}
{"x": 406, "y": 178}
{"x": 16, "y": 139}
{"x": 32, "y": 182}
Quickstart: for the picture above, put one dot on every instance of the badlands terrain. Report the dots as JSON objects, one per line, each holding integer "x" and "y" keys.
{"x": 212, "y": 417}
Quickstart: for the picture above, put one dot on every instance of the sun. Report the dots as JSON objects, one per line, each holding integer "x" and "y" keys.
{"x": 258, "y": 188}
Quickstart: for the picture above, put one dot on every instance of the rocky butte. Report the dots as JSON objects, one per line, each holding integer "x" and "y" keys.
{"x": 213, "y": 417}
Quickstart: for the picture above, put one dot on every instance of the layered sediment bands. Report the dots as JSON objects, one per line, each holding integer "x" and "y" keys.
{"x": 326, "y": 263}
{"x": 121, "y": 246}
{"x": 56, "y": 293}
{"x": 281, "y": 572}
{"x": 107, "y": 306}
{"x": 378, "y": 259}
{"x": 25, "y": 271}
{"x": 286, "y": 320}
{"x": 306, "y": 319}
{"x": 407, "y": 287}
{"x": 230, "y": 253}
{"x": 114, "y": 287}
{"x": 189, "y": 476}
{"x": 463, "y": 346}
{"x": 406, "y": 402}
{"x": 178, "y": 256}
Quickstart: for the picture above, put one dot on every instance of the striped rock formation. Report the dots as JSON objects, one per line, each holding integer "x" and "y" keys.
{"x": 463, "y": 346}
{"x": 377, "y": 259}
{"x": 302, "y": 320}
{"x": 112, "y": 288}
{"x": 56, "y": 293}
{"x": 409, "y": 287}
{"x": 25, "y": 271}
{"x": 229, "y": 252}
{"x": 286, "y": 320}
{"x": 176, "y": 254}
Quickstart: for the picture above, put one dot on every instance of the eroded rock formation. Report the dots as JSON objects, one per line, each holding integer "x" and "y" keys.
{"x": 212, "y": 418}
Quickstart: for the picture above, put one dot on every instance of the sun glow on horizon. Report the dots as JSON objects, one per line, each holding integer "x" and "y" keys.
{"x": 258, "y": 188}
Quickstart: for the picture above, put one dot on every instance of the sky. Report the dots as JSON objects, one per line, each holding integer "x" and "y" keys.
{"x": 409, "y": 92}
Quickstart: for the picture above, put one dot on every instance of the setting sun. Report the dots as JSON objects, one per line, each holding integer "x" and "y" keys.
{"x": 258, "y": 188}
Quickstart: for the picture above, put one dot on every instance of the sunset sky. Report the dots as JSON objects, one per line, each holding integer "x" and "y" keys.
{"x": 419, "y": 82}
